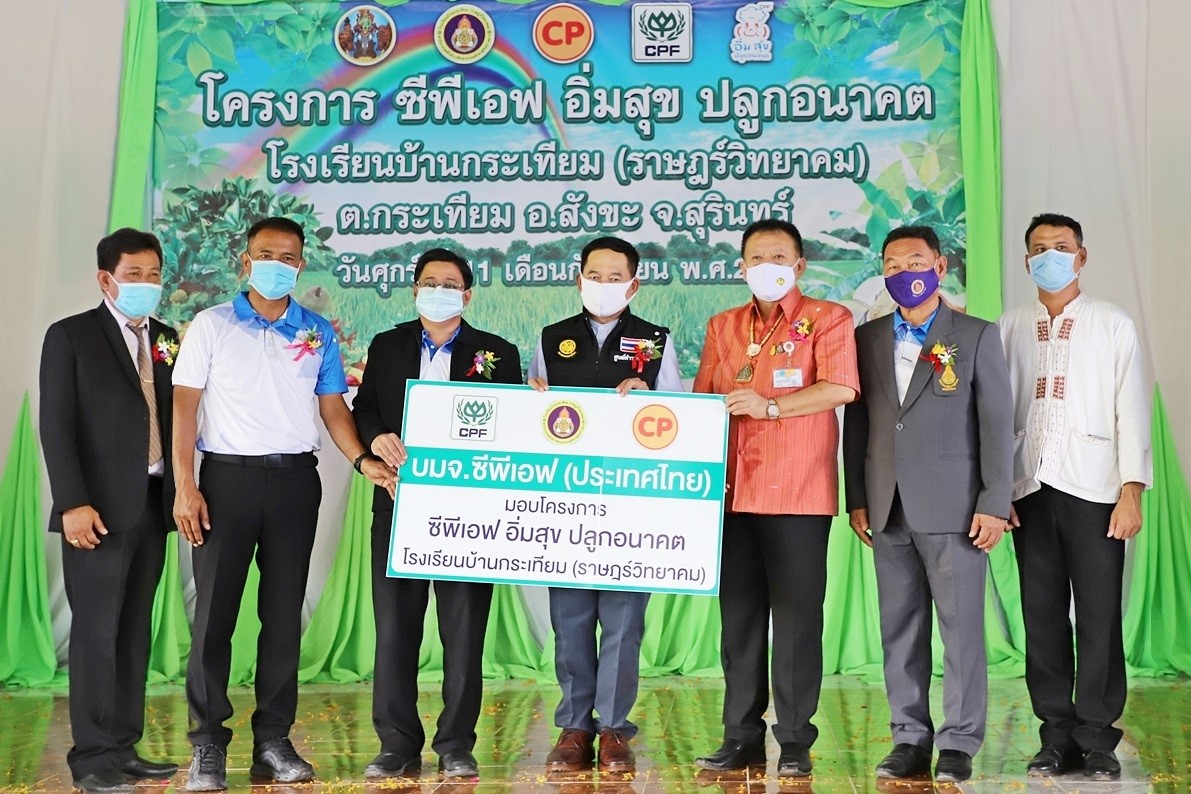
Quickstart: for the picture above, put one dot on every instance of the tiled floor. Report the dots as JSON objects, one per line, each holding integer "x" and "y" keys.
{"x": 679, "y": 719}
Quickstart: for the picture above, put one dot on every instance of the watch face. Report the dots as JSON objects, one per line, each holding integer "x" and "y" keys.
{"x": 773, "y": 410}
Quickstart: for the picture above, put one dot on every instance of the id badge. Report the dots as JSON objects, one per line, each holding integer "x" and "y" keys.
{"x": 789, "y": 378}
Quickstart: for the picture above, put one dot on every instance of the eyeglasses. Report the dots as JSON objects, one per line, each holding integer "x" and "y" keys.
{"x": 435, "y": 285}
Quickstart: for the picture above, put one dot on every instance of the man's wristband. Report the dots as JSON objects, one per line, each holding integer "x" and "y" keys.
{"x": 362, "y": 457}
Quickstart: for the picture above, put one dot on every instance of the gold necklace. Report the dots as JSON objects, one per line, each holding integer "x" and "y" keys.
{"x": 745, "y": 375}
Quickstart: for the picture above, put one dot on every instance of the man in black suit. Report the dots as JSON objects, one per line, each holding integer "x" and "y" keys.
{"x": 438, "y": 345}
{"x": 105, "y": 429}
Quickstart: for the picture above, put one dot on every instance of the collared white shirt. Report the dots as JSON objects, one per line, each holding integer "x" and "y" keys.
{"x": 260, "y": 382}
{"x": 669, "y": 376}
{"x": 157, "y": 469}
{"x": 905, "y": 359}
{"x": 1081, "y": 400}
{"x": 907, "y": 349}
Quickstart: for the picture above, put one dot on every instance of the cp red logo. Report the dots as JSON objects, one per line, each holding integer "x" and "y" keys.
{"x": 563, "y": 33}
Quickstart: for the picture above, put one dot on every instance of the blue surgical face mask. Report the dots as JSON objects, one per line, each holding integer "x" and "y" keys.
{"x": 1052, "y": 270}
{"x": 439, "y": 304}
{"x": 272, "y": 279}
{"x": 136, "y": 298}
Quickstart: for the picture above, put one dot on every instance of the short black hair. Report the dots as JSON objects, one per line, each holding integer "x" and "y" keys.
{"x": 125, "y": 241}
{"x": 1055, "y": 219}
{"x": 772, "y": 225}
{"x": 924, "y": 233}
{"x": 443, "y": 255}
{"x": 612, "y": 244}
{"x": 278, "y": 224}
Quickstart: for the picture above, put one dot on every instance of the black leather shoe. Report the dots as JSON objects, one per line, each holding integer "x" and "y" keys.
{"x": 106, "y": 781}
{"x": 458, "y": 763}
{"x": 1053, "y": 760}
{"x": 795, "y": 760}
{"x": 389, "y": 764}
{"x": 208, "y": 769}
{"x": 733, "y": 754}
{"x": 140, "y": 769}
{"x": 1101, "y": 765}
{"x": 954, "y": 766}
{"x": 277, "y": 760}
{"x": 906, "y": 760}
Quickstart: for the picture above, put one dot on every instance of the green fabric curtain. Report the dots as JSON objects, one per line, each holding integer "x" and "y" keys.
{"x": 169, "y": 642}
{"x": 1158, "y": 613}
{"x": 26, "y": 636}
{"x": 980, "y": 148}
{"x": 340, "y": 641}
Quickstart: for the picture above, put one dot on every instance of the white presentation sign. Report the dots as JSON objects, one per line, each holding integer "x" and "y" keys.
{"x": 568, "y": 488}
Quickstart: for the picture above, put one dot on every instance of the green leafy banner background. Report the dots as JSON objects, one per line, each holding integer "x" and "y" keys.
{"x": 215, "y": 164}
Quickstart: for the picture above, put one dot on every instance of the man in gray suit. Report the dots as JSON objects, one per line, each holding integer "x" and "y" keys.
{"x": 928, "y": 452}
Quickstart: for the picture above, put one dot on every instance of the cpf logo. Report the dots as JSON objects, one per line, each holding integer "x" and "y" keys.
{"x": 473, "y": 418}
{"x": 662, "y": 32}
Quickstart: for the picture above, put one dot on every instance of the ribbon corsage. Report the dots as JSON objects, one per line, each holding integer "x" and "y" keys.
{"x": 484, "y": 363}
{"x": 941, "y": 356}
{"x": 306, "y": 342}
{"x": 165, "y": 350}
{"x": 646, "y": 350}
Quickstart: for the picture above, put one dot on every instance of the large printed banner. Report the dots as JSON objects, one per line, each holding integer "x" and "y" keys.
{"x": 570, "y": 488}
{"x": 515, "y": 133}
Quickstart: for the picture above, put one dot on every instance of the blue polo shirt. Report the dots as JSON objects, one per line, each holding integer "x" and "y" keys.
{"x": 904, "y": 332}
{"x": 260, "y": 380}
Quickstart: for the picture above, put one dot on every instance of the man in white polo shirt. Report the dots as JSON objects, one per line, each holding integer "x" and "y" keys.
{"x": 262, "y": 366}
{"x": 1081, "y": 462}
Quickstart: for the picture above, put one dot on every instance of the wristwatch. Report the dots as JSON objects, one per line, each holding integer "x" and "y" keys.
{"x": 772, "y": 411}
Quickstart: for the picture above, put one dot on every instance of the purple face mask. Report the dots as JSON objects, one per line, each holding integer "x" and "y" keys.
{"x": 909, "y": 288}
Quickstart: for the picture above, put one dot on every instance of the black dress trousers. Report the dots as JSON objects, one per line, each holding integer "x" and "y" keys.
{"x": 110, "y": 590}
{"x": 271, "y": 513}
{"x": 400, "y": 607}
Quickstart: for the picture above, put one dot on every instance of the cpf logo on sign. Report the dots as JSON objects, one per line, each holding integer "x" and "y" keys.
{"x": 473, "y": 418}
{"x": 662, "y": 32}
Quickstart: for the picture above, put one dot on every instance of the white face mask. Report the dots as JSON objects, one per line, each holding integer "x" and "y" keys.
{"x": 438, "y": 304}
{"x": 769, "y": 281}
{"x": 604, "y": 300}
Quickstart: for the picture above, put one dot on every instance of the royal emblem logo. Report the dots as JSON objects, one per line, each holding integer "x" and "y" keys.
{"x": 365, "y": 35}
{"x": 563, "y": 33}
{"x": 474, "y": 418}
{"x": 567, "y": 348}
{"x": 563, "y": 422}
{"x": 662, "y": 32}
{"x": 464, "y": 34}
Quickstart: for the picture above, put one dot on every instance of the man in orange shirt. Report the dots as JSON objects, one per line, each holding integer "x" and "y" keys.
{"x": 785, "y": 362}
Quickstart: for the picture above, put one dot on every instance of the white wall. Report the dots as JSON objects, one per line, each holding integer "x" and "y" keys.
{"x": 1094, "y": 124}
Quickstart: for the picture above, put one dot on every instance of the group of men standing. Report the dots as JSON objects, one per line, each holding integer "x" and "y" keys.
{"x": 955, "y": 431}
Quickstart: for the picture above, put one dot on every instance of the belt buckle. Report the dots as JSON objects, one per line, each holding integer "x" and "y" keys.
{"x": 274, "y": 461}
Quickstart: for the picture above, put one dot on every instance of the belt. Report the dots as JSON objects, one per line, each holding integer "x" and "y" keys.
{"x": 298, "y": 460}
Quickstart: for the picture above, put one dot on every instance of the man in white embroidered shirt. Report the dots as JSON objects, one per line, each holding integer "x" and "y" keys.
{"x": 1081, "y": 461}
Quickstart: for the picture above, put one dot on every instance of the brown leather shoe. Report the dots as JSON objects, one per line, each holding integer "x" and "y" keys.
{"x": 575, "y": 750}
{"x": 615, "y": 755}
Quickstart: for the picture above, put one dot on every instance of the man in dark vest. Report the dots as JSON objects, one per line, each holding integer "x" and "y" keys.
{"x": 604, "y": 346}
